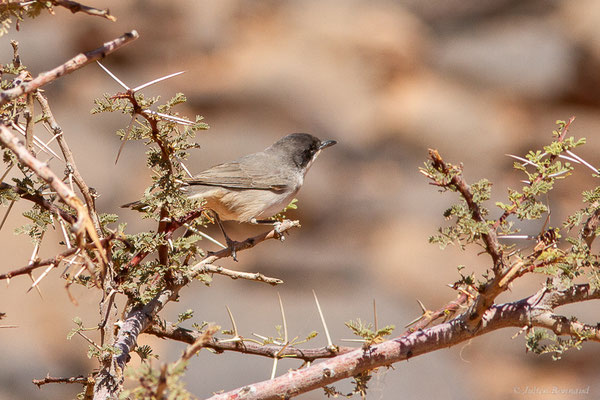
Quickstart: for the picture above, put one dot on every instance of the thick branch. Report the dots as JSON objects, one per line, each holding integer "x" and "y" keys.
{"x": 73, "y": 64}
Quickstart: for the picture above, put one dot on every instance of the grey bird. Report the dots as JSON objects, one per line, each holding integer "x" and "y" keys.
{"x": 256, "y": 186}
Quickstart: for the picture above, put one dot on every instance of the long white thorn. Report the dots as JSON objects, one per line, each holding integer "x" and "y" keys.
{"x": 120, "y": 82}
{"x": 329, "y": 342}
{"x": 587, "y": 164}
{"x": 145, "y": 85}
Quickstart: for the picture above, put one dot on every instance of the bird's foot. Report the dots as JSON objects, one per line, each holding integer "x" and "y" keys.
{"x": 278, "y": 231}
{"x": 232, "y": 245}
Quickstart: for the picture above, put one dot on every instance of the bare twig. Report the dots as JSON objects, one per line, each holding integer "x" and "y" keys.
{"x": 49, "y": 379}
{"x": 248, "y": 243}
{"x": 252, "y": 276}
{"x": 75, "y": 7}
{"x": 50, "y": 261}
{"x": 204, "y": 338}
{"x": 73, "y": 64}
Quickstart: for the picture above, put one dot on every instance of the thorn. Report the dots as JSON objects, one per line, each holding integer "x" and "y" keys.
{"x": 423, "y": 308}
{"x": 285, "y": 331}
{"x": 10, "y": 206}
{"x": 414, "y": 321}
{"x": 113, "y": 76}
{"x": 590, "y": 166}
{"x": 375, "y": 315}
{"x": 516, "y": 237}
{"x": 71, "y": 262}
{"x": 42, "y": 276}
{"x": 126, "y": 136}
{"x": 329, "y": 342}
{"x": 187, "y": 171}
{"x": 274, "y": 369}
{"x": 145, "y": 85}
{"x": 168, "y": 117}
{"x": 569, "y": 158}
{"x": 520, "y": 331}
{"x": 36, "y": 287}
{"x": 235, "y": 331}
{"x": 524, "y": 160}
{"x": 64, "y": 232}
{"x": 204, "y": 235}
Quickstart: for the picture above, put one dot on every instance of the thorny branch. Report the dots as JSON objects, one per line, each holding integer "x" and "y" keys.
{"x": 246, "y": 347}
{"x": 490, "y": 238}
{"x": 56, "y": 260}
{"x": 41, "y": 201}
{"x": 533, "y": 311}
{"x": 561, "y": 138}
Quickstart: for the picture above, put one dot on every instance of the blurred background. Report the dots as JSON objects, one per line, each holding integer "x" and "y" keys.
{"x": 475, "y": 79}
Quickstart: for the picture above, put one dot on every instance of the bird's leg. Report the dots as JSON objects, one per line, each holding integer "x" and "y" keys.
{"x": 276, "y": 226}
{"x": 231, "y": 244}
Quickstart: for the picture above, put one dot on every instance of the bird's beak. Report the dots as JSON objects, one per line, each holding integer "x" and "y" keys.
{"x": 326, "y": 143}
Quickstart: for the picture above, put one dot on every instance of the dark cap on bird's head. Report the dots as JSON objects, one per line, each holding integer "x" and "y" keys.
{"x": 301, "y": 147}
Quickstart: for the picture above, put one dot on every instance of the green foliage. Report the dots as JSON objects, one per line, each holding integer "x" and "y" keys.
{"x": 565, "y": 259}
{"x": 15, "y": 11}
{"x": 366, "y": 331}
{"x": 184, "y": 316}
{"x": 465, "y": 229}
{"x": 40, "y": 221}
{"x": 281, "y": 216}
{"x": 542, "y": 341}
{"x": 145, "y": 352}
{"x": 150, "y": 379}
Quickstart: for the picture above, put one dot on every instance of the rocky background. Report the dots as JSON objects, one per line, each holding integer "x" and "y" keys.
{"x": 475, "y": 79}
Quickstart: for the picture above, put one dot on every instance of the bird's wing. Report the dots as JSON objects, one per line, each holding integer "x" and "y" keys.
{"x": 239, "y": 175}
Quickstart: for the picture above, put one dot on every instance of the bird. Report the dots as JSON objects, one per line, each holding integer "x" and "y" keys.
{"x": 256, "y": 186}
